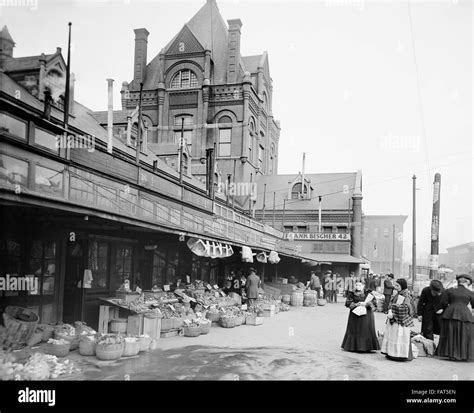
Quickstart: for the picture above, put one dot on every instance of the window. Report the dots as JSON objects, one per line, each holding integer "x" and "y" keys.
{"x": 12, "y": 125}
{"x": 43, "y": 265}
{"x": 46, "y": 139}
{"x": 386, "y": 232}
{"x": 302, "y": 228}
{"x": 81, "y": 190}
{"x": 184, "y": 79}
{"x": 288, "y": 228}
{"x": 327, "y": 230}
{"x": 261, "y": 151}
{"x": 10, "y": 262}
{"x": 99, "y": 263}
{"x": 48, "y": 180}
{"x": 123, "y": 267}
{"x": 183, "y": 125}
{"x": 318, "y": 247}
{"x": 146, "y": 208}
{"x": 13, "y": 171}
{"x": 106, "y": 197}
{"x": 251, "y": 140}
{"x": 225, "y": 135}
{"x": 296, "y": 192}
{"x": 342, "y": 230}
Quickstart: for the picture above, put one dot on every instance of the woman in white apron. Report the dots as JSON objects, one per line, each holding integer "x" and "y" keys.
{"x": 396, "y": 344}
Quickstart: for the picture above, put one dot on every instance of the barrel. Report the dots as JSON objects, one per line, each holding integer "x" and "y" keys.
{"x": 296, "y": 298}
{"x": 309, "y": 299}
{"x": 321, "y": 301}
{"x": 286, "y": 298}
{"x": 118, "y": 325}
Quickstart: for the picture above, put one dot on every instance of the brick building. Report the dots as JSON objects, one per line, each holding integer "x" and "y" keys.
{"x": 199, "y": 85}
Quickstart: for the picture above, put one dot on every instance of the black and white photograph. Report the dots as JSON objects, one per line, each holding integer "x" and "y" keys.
{"x": 268, "y": 192}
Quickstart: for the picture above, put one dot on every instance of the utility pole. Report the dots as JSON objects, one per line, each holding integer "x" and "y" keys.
{"x": 264, "y": 196}
{"x": 434, "y": 257}
{"x": 181, "y": 152}
{"x": 413, "y": 248}
{"x": 393, "y": 249}
{"x": 273, "y": 217}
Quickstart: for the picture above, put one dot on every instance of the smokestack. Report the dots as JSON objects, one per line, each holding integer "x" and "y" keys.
{"x": 141, "y": 41}
{"x": 233, "y": 48}
{"x": 110, "y": 115}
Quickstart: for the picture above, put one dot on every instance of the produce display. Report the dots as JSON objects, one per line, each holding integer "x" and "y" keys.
{"x": 65, "y": 329}
{"x": 57, "y": 342}
{"x": 110, "y": 339}
{"x": 38, "y": 367}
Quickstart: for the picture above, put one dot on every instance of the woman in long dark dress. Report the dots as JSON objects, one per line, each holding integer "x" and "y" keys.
{"x": 360, "y": 332}
{"x": 456, "y": 339}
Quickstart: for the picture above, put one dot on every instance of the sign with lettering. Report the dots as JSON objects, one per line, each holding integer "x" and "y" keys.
{"x": 317, "y": 236}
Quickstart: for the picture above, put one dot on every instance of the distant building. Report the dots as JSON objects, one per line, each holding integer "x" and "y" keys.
{"x": 378, "y": 234}
{"x": 336, "y": 245}
{"x": 461, "y": 258}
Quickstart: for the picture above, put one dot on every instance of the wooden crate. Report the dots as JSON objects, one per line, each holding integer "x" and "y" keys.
{"x": 269, "y": 313}
{"x": 139, "y": 324}
{"x": 254, "y": 321}
{"x": 106, "y": 314}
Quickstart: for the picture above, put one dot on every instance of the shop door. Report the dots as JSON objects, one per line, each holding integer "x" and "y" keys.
{"x": 73, "y": 294}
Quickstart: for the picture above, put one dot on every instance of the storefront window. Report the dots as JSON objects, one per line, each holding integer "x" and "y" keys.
{"x": 12, "y": 125}
{"x": 159, "y": 265}
{"x": 49, "y": 180}
{"x": 81, "y": 190}
{"x": 123, "y": 267}
{"x": 46, "y": 139}
{"x": 98, "y": 263}
{"x": 13, "y": 171}
{"x": 10, "y": 262}
{"x": 43, "y": 266}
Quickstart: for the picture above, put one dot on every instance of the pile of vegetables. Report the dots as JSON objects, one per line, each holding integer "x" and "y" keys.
{"x": 231, "y": 312}
{"x": 284, "y": 307}
{"x": 38, "y": 367}
{"x": 65, "y": 329}
{"x": 57, "y": 342}
{"x": 110, "y": 339}
{"x": 83, "y": 329}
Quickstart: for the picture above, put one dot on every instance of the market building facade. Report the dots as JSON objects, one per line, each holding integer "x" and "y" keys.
{"x": 81, "y": 216}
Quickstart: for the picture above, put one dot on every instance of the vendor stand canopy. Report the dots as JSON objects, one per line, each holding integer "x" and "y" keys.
{"x": 312, "y": 259}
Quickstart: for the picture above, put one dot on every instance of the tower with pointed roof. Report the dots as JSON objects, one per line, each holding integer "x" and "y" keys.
{"x": 6, "y": 42}
{"x": 200, "y": 85}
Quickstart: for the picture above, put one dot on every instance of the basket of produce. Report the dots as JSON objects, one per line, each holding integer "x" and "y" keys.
{"x": 144, "y": 342}
{"x": 83, "y": 328}
{"x": 284, "y": 307}
{"x": 87, "y": 345}
{"x": 47, "y": 331}
{"x": 228, "y": 321}
{"x": 58, "y": 348}
{"x": 36, "y": 338}
{"x": 68, "y": 333}
{"x": 213, "y": 316}
{"x": 192, "y": 330}
{"x": 109, "y": 347}
{"x": 20, "y": 324}
{"x": 321, "y": 302}
{"x": 131, "y": 347}
{"x": 205, "y": 326}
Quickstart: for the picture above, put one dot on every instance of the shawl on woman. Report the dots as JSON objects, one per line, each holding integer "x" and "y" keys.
{"x": 403, "y": 313}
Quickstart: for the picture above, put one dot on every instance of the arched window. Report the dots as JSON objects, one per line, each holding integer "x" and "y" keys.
{"x": 296, "y": 192}
{"x": 184, "y": 79}
{"x": 272, "y": 159}
{"x": 225, "y": 135}
{"x": 251, "y": 140}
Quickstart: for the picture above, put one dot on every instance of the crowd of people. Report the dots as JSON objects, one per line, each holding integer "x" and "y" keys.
{"x": 246, "y": 287}
{"x": 442, "y": 312}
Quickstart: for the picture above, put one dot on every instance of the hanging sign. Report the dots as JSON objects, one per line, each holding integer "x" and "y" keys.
{"x": 434, "y": 262}
{"x": 166, "y": 287}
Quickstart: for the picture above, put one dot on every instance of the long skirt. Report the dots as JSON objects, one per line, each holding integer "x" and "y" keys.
{"x": 360, "y": 333}
{"x": 456, "y": 340}
{"x": 396, "y": 344}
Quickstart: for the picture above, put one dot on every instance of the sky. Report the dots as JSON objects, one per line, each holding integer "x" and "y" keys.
{"x": 380, "y": 86}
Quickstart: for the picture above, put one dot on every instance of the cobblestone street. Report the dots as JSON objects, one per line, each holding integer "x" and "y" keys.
{"x": 303, "y": 343}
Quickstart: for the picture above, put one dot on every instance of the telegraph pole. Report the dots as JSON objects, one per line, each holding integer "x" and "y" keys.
{"x": 434, "y": 257}
{"x": 413, "y": 248}
{"x": 393, "y": 249}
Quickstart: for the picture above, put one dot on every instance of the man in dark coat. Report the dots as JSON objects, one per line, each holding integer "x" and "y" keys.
{"x": 428, "y": 305}
{"x": 387, "y": 291}
{"x": 327, "y": 285}
{"x": 315, "y": 283}
{"x": 251, "y": 287}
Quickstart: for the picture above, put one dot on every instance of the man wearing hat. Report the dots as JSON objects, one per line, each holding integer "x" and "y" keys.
{"x": 251, "y": 287}
{"x": 428, "y": 305}
{"x": 387, "y": 291}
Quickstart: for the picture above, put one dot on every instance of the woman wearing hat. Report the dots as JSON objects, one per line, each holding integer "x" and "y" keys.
{"x": 396, "y": 344}
{"x": 428, "y": 305}
{"x": 456, "y": 340}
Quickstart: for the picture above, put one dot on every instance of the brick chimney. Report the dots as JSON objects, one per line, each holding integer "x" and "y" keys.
{"x": 233, "y": 50}
{"x": 139, "y": 67}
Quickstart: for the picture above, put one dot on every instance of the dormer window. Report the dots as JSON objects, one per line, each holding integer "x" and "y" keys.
{"x": 297, "y": 193}
{"x": 184, "y": 79}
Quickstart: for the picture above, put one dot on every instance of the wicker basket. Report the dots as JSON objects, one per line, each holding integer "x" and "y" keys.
{"x": 206, "y": 327}
{"x": 20, "y": 324}
{"x": 87, "y": 347}
{"x": 144, "y": 343}
{"x": 213, "y": 316}
{"x": 36, "y": 338}
{"x": 228, "y": 322}
{"x": 321, "y": 301}
{"x": 47, "y": 331}
{"x": 109, "y": 351}
{"x": 192, "y": 331}
{"x": 74, "y": 340}
{"x": 131, "y": 348}
{"x": 58, "y": 350}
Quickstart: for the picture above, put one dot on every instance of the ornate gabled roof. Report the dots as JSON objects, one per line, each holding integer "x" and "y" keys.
{"x": 184, "y": 42}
